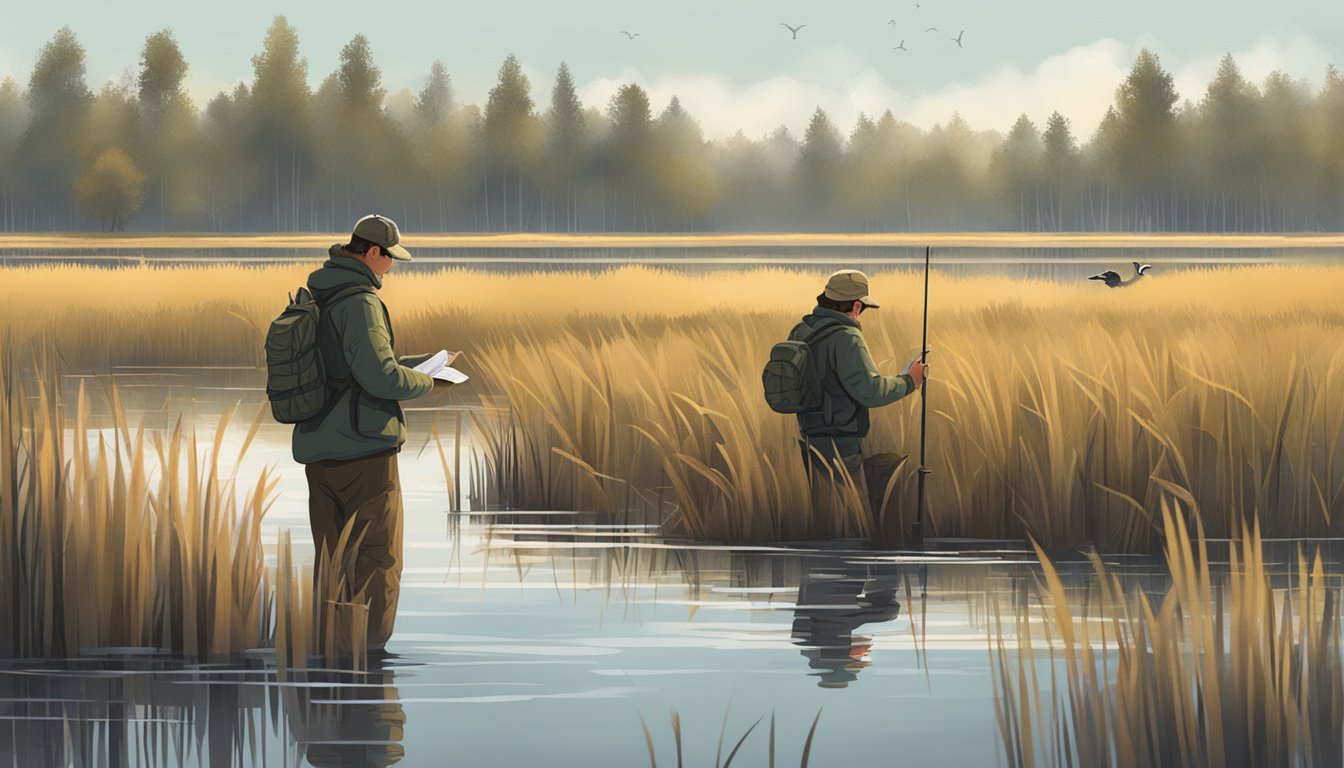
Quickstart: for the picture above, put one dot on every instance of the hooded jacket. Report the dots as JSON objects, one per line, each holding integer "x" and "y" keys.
{"x": 355, "y": 338}
{"x": 850, "y": 382}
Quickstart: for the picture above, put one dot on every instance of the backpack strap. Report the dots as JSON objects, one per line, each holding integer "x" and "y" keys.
{"x": 338, "y": 385}
{"x": 326, "y": 305}
{"x": 819, "y": 332}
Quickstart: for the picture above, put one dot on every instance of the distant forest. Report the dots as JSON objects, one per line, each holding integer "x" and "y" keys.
{"x": 275, "y": 155}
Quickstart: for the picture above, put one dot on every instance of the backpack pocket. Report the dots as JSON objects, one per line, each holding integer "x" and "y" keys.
{"x": 295, "y": 380}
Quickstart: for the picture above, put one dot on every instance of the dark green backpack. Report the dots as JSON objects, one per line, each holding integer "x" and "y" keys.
{"x": 296, "y": 380}
{"x": 791, "y": 379}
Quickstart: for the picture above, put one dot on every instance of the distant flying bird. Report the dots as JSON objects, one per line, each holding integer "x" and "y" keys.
{"x": 629, "y": 35}
{"x": 1112, "y": 279}
{"x": 931, "y": 29}
{"x": 916, "y": 5}
{"x": 957, "y": 39}
{"x": 900, "y": 47}
{"x": 892, "y": 22}
{"x": 794, "y": 30}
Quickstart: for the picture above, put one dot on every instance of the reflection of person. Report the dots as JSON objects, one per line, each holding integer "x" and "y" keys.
{"x": 354, "y": 720}
{"x": 850, "y": 384}
{"x": 834, "y": 599}
{"x": 350, "y": 449}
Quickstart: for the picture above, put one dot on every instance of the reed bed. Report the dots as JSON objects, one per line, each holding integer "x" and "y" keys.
{"x": 1066, "y": 427}
{"x": 1060, "y": 412}
{"x": 99, "y": 553}
{"x": 1221, "y": 670}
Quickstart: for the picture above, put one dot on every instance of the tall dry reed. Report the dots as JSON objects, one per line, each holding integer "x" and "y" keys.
{"x": 1221, "y": 670}
{"x": 99, "y": 553}
{"x": 1065, "y": 428}
{"x": 1062, "y": 412}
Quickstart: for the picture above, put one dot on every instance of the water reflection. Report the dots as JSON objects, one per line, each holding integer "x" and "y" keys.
{"x": 135, "y": 712}
{"x": 835, "y": 598}
{"x": 348, "y": 719}
{"x": 1047, "y": 262}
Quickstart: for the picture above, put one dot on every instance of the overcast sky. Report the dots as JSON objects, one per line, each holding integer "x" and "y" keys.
{"x": 731, "y": 62}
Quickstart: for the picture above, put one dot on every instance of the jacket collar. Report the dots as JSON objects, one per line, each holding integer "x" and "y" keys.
{"x": 821, "y": 313}
{"x": 346, "y": 261}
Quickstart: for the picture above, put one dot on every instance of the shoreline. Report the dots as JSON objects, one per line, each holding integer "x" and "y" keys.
{"x": 66, "y": 241}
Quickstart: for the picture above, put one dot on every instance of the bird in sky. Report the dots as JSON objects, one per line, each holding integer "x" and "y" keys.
{"x": 629, "y": 35}
{"x": 957, "y": 39}
{"x": 892, "y": 22}
{"x": 900, "y": 47}
{"x": 916, "y": 5}
{"x": 794, "y": 30}
{"x": 931, "y": 29}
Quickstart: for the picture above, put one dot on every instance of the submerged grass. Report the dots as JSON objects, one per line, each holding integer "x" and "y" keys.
{"x": 1060, "y": 412}
{"x": 1216, "y": 672}
{"x": 719, "y": 760}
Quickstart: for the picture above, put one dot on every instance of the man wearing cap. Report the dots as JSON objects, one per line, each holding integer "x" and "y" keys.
{"x": 350, "y": 448}
{"x": 850, "y": 385}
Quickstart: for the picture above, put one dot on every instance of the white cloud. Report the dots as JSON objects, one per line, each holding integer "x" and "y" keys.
{"x": 1288, "y": 50}
{"x": 16, "y": 65}
{"x": 1080, "y": 83}
{"x": 204, "y": 89}
{"x": 723, "y": 108}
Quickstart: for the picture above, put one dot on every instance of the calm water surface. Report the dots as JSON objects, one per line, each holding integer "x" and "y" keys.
{"x": 1063, "y": 264}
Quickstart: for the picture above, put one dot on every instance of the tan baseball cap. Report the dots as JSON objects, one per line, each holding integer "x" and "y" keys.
{"x": 382, "y": 232}
{"x": 849, "y": 285}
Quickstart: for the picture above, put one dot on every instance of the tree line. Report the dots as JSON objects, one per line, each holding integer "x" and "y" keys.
{"x": 274, "y": 154}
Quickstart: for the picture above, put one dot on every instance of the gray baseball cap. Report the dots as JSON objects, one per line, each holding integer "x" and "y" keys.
{"x": 382, "y": 232}
{"x": 849, "y": 285}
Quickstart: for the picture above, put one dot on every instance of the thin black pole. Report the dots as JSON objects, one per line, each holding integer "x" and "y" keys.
{"x": 918, "y": 537}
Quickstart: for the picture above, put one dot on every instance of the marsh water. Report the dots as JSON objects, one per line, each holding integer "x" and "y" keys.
{"x": 1063, "y": 264}
{"x": 547, "y": 639}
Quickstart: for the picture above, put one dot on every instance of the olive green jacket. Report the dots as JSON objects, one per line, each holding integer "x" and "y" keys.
{"x": 355, "y": 338}
{"x": 850, "y": 382}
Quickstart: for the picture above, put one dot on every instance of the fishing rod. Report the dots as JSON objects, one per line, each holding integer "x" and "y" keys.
{"x": 918, "y": 532}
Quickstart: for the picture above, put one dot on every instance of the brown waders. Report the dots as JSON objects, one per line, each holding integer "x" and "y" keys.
{"x": 870, "y": 475}
{"x": 368, "y": 490}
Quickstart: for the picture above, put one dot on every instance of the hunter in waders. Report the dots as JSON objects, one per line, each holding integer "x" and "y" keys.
{"x": 350, "y": 448}
{"x": 850, "y": 385}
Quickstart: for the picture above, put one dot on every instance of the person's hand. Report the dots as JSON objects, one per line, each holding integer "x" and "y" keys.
{"x": 918, "y": 373}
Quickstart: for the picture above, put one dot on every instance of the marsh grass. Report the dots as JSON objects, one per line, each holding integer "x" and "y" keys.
{"x": 100, "y": 553}
{"x": 1060, "y": 412}
{"x": 1059, "y": 429}
{"x": 1218, "y": 671}
{"x": 321, "y": 616}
